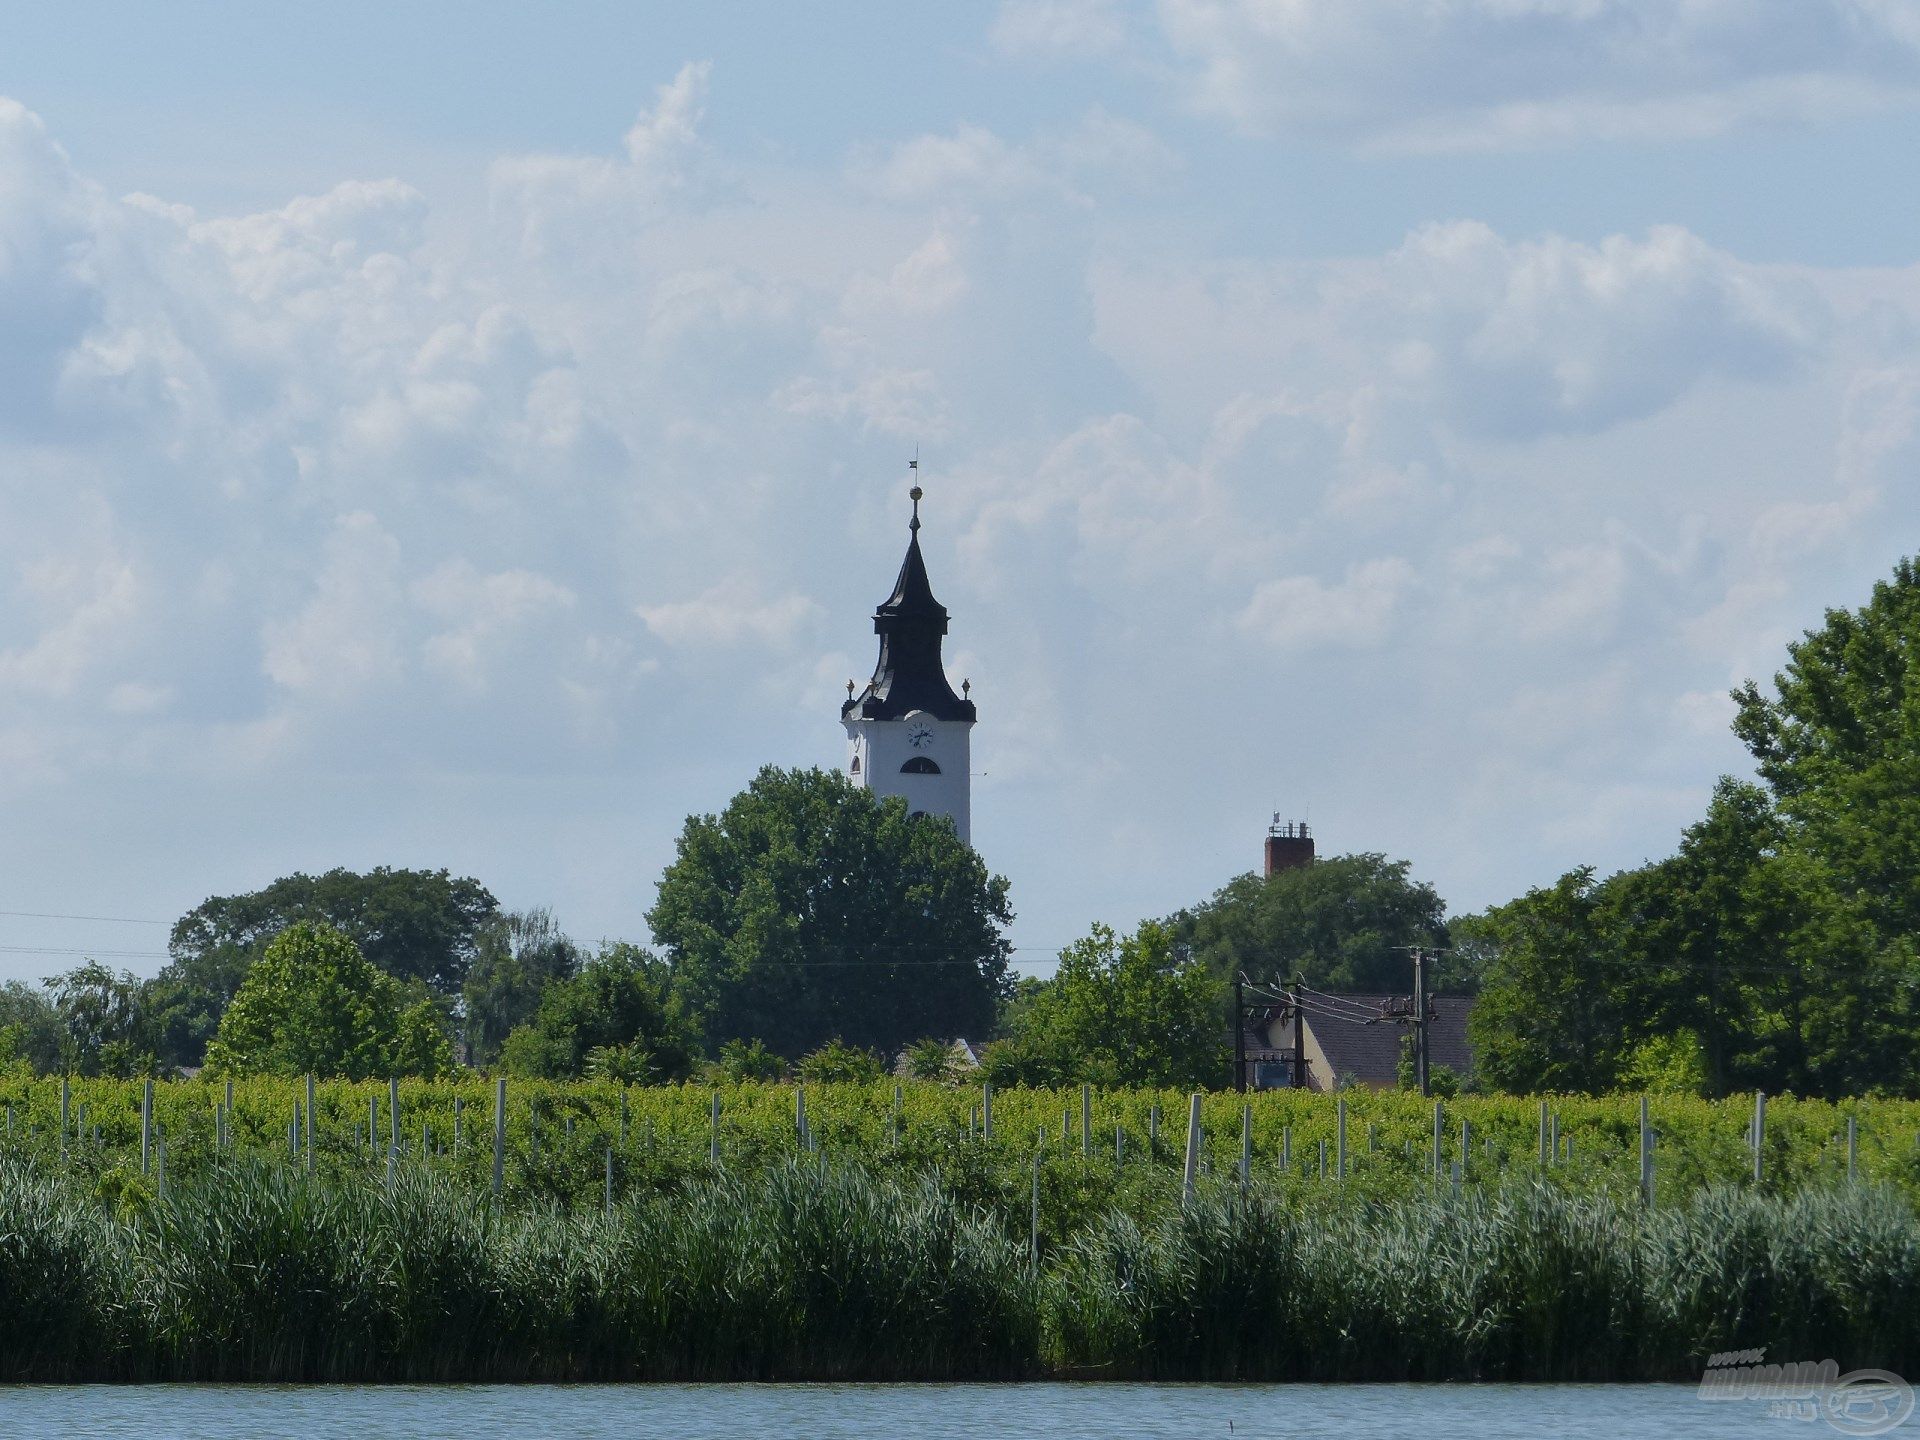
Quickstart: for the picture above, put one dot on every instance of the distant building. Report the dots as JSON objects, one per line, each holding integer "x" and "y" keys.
{"x": 1353, "y": 1040}
{"x": 907, "y": 732}
{"x": 1289, "y": 846}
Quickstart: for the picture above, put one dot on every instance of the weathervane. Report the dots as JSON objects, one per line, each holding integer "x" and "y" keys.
{"x": 915, "y": 492}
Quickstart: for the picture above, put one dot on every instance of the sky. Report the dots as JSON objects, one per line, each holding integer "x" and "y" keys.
{"x": 476, "y": 436}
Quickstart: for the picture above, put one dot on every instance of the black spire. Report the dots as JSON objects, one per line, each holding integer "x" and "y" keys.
{"x": 909, "y": 675}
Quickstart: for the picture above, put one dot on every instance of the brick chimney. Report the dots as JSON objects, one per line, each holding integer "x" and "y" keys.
{"x": 1289, "y": 846}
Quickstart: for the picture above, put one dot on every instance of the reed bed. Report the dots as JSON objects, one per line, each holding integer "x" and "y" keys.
{"x": 815, "y": 1267}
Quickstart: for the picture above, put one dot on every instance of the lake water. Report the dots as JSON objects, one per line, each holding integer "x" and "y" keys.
{"x": 856, "y": 1412}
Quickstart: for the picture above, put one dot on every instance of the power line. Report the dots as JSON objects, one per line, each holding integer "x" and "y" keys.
{"x": 104, "y": 919}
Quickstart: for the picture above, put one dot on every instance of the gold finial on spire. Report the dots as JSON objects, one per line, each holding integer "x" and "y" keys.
{"x": 849, "y": 689}
{"x": 915, "y": 493}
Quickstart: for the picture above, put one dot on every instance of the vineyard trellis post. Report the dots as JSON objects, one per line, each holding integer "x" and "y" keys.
{"x": 1646, "y": 1157}
{"x": 146, "y": 1124}
{"x": 1246, "y": 1146}
{"x": 373, "y": 1125}
{"x": 499, "y": 1134}
{"x": 1193, "y": 1150}
{"x": 1340, "y": 1131}
{"x": 393, "y": 1108}
{"x": 66, "y": 1102}
{"x": 456, "y": 1124}
{"x": 1439, "y": 1170}
{"x": 1286, "y": 1147}
{"x": 1034, "y": 1242}
{"x": 986, "y": 1111}
{"x": 1086, "y": 1119}
{"x": 310, "y": 1122}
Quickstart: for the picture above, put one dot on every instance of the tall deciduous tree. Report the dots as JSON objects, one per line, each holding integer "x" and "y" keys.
{"x": 1838, "y": 743}
{"x": 314, "y": 1004}
{"x": 1341, "y": 923}
{"x": 1132, "y": 1010}
{"x": 413, "y": 924}
{"x": 617, "y": 1013}
{"x": 809, "y": 910}
{"x": 519, "y": 956}
{"x": 103, "y": 1026}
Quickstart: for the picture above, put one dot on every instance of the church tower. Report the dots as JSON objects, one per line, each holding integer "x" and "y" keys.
{"x": 907, "y": 732}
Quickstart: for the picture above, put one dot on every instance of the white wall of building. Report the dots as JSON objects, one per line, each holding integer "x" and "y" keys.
{"x": 882, "y": 746}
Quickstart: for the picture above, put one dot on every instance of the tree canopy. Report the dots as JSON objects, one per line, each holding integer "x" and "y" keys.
{"x": 1777, "y": 948}
{"x": 314, "y": 1004}
{"x": 808, "y": 910}
{"x": 517, "y": 957}
{"x": 1342, "y": 923}
{"x": 1119, "y": 1010}
{"x": 615, "y": 1018}
{"x": 413, "y": 924}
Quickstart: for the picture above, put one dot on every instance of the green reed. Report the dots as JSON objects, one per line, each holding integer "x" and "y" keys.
{"x": 821, "y": 1268}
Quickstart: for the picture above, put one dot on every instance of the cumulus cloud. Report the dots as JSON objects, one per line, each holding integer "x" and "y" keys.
{"x": 362, "y": 487}
{"x": 1298, "y": 611}
{"x": 1495, "y": 74}
{"x": 1503, "y": 337}
{"x": 730, "y": 613}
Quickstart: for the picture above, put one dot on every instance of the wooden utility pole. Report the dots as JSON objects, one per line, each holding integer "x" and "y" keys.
{"x": 1420, "y": 1019}
{"x": 1240, "y": 1033}
{"x": 1299, "y": 1039}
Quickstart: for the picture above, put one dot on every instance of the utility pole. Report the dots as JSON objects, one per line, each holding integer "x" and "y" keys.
{"x": 1299, "y": 1038}
{"x": 1240, "y": 1033}
{"x": 1420, "y": 1018}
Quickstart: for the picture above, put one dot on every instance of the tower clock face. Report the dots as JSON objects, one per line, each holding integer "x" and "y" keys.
{"x": 920, "y": 736}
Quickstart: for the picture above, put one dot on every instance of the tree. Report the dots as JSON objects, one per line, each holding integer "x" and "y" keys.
{"x": 185, "y": 1000}
{"x": 838, "y": 1061}
{"x": 1133, "y": 1010}
{"x": 314, "y": 1004}
{"x": 413, "y": 924}
{"x": 742, "y": 1060}
{"x": 617, "y": 1004}
{"x": 1548, "y": 1017}
{"x": 1838, "y": 745}
{"x": 930, "y": 1059}
{"x": 103, "y": 1026}
{"x": 30, "y": 1031}
{"x": 517, "y": 956}
{"x": 808, "y": 909}
{"x": 1339, "y": 924}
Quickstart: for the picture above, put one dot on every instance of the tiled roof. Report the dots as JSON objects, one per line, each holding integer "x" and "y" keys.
{"x": 1371, "y": 1053}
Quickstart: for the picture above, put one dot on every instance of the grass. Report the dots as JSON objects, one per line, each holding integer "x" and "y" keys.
{"x": 821, "y": 1268}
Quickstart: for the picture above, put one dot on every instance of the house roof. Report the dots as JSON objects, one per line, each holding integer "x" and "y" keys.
{"x": 1370, "y": 1053}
